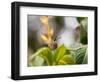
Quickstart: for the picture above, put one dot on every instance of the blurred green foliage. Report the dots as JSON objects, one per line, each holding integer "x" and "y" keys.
{"x": 60, "y": 56}
{"x": 83, "y": 29}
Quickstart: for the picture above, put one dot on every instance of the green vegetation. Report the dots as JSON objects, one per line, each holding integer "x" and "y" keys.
{"x": 60, "y": 56}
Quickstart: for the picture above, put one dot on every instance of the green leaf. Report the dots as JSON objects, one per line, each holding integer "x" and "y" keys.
{"x": 80, "y": 19}
{"x": 85, "y": 60}
{"x": 84, "y": 23}
{"x": 46, "y": 54}
{"x": 38, "y": 61}
{"x": 80, "y": 55}
{"x": 67, "y": 59}
{"x": 59, "y": 53}
{"x": 84, "y": 31}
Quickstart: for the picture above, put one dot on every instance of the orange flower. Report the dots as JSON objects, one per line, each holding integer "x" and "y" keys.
{"x": 48, "y": 33}
{"x": 44, "y": 20}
